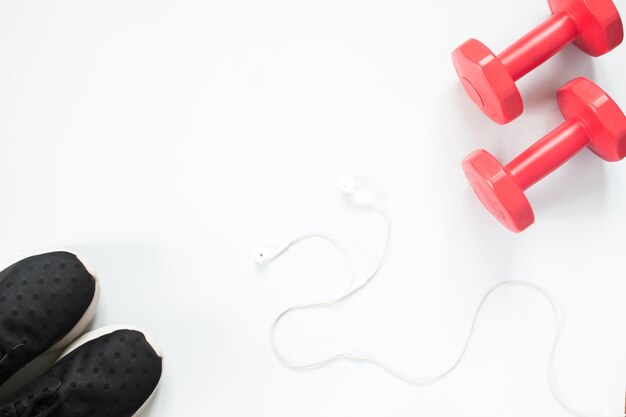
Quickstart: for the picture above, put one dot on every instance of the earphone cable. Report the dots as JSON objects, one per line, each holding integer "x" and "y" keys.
{"x": 353, "y": 288}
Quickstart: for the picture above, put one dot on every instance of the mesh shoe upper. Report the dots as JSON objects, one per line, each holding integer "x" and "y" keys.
{"x": 111, "y": 376}
{"x": 42, "y": 298}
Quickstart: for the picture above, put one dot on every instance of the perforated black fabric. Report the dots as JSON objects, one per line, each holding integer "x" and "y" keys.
{"x": 42, "y": 298}
{"x": 112, "y": 376}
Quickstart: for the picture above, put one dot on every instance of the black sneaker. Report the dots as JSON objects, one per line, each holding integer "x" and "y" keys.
{"x": 110, "y": 372}
{"x": 46, "y": 301}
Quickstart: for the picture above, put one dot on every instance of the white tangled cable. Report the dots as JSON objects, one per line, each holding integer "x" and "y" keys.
{"x": 265, "y": 255}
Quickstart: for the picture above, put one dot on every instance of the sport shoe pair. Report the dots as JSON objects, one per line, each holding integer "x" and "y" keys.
{"x": 47, "y": 301}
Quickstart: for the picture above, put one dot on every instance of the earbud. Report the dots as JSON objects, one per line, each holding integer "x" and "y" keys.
{"x": 265, "y": 254}
{"x": 348, "y": 187}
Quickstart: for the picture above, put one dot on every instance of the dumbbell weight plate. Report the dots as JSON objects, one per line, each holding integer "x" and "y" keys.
{"x": 599, "y": 23}
{"x": 498, "y": 191}
{"x": 603, "y": 119}
{"x": 487, "y": 81}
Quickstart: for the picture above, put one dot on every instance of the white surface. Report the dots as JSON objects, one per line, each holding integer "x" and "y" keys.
{"x": 165, "y": 140}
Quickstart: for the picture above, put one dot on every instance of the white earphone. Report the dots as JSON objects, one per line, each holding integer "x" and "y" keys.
{"x": 348, "y": 187}
{"x": 263, "y": 255}
{"x": 266, "y": 254}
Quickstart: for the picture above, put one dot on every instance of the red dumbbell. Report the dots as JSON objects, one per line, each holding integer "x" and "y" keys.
{"x": 593, "y": 119}
{"x": 593, "y": 25}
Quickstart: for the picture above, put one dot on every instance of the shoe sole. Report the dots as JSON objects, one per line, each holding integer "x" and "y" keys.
{"x": 95, "y": 334}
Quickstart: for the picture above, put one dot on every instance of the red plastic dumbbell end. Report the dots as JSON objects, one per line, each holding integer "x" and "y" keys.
{"x": 489, "y": 79}
{"x": 593, "y": 120}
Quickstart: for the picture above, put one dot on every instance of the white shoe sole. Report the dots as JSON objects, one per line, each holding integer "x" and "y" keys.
{"x": 86, "y": 338}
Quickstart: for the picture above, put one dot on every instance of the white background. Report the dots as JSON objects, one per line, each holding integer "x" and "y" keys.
{"x": 166, "y": 140}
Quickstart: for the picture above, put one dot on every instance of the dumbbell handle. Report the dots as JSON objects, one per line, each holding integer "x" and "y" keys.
{"x": 549, "y": 153}
{"x": 539, "y": 45}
